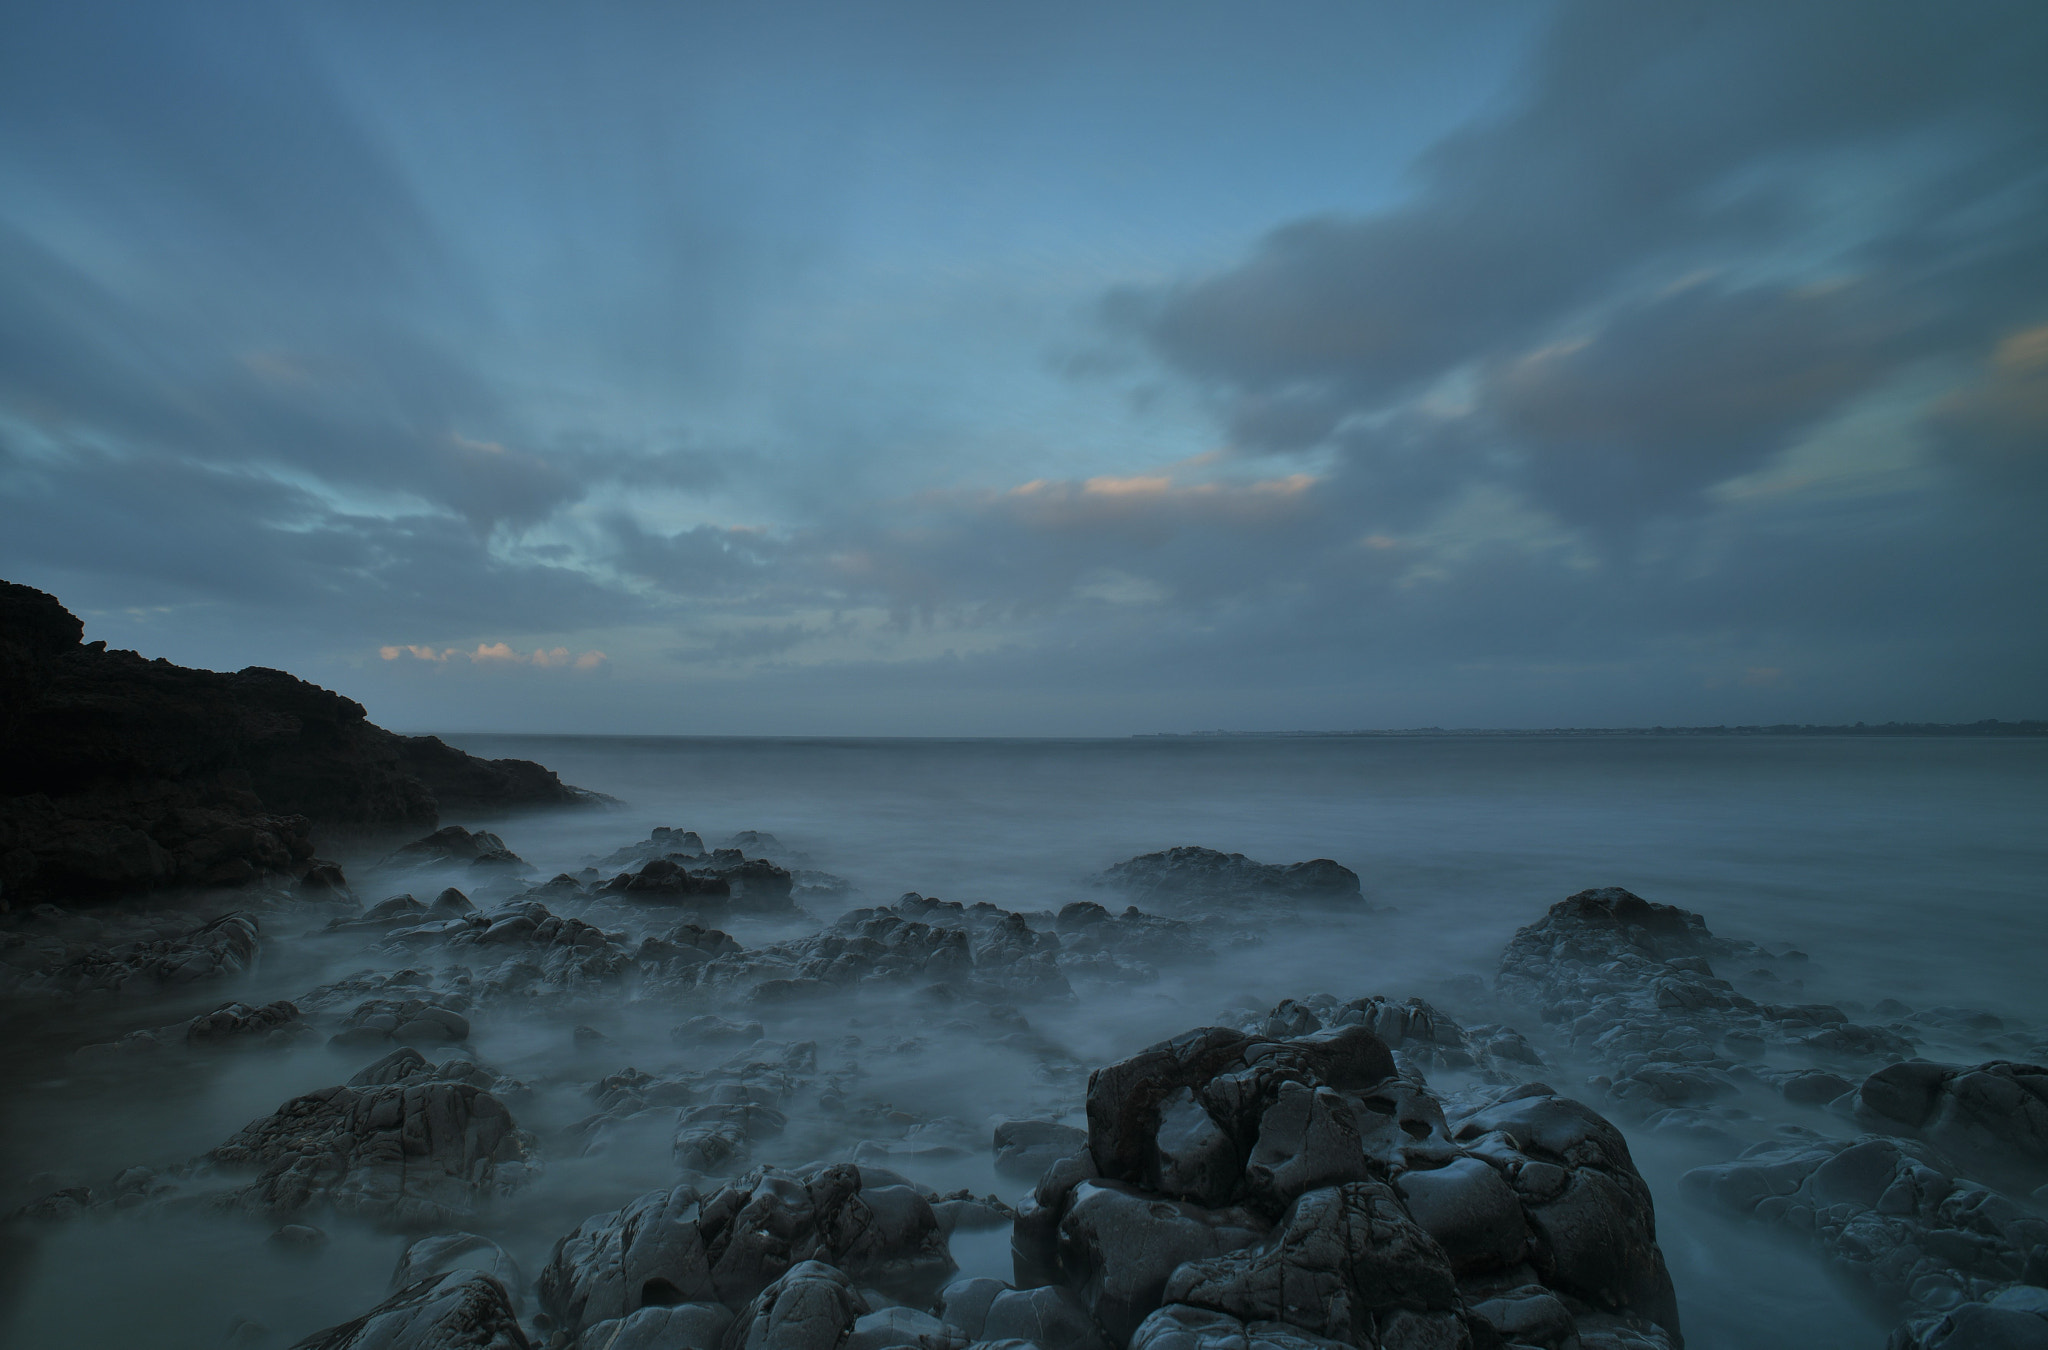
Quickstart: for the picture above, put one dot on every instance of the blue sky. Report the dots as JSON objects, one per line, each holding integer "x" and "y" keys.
{"x": 940, "y": 369}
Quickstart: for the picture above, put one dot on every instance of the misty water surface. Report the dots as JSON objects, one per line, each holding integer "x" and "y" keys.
{"x": 1907, "y": 868}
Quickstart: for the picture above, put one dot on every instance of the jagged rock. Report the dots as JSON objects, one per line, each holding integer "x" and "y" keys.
{"x": 1888, "y": 1214}
{"x": 1025, "y": 1148}
{"x": 2016, "y": 1319}
{"x": 121, "y": 774}
{"x": 1179, "y": 1327}
{"x": 662, "y": 1328}
{"x": 446, "y": 1252}
{"x": 413, "y": 1021}
{"x": 1205, "y": 873}
{"x": 454, "y": 844}
{"x": 680, "y": 1246}
{"x": 813, "y": 1307}
{"x": 465, "y": 1308}
{"x": 1345, "y": 1262}
{"x": 405, "y": 1155}
{"x": 213, "y": 950}
{"x": 1991, "y": 1119}
{"x": 465, "y": 782}
{"x": 1307, "y": 1180}
{"x": 1632, "y": 984}
{"x": 274, "y": 1024}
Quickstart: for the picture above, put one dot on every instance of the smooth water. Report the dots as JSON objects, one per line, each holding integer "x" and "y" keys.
{"x": 1914, "y": 869}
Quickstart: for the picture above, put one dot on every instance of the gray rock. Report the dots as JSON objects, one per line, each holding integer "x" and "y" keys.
{"x": 403, "y": 1155}
{"x": 681, "y": 1326}
{"x": 1025, "y": 1148}
{"x": 465, "y": 1308}
{"x": 812, "y": 1307}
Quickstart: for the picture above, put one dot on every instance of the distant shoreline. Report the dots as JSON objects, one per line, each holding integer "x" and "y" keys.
{"x": 1990, "y": 726}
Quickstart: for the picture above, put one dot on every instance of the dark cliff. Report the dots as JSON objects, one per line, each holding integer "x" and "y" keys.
{"x": 119, "y": 773}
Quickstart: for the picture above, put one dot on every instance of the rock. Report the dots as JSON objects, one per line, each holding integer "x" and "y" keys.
{"x": 464, "y": 782}
{"x": 1991, "y": 1119}
{"x": 454, "y": 844}
{"x": 2016, "y": 1319}
{"x": 900, "y": 1326}
{"x": 663, "y": 1328}
{"x": 446, "y": 1252}
{"x": 1888, "y": 1214}
{"x": 1305, "y": 1181}
{"x": 678, "y": 1246}
{"x": 1180, "y": 1327}
{"x": 465, "y": 1308}
{"x": 1025, "y": 1148}
{"x": 119, "y": 774}
{"x": 1346, "y": 1262}
{"x": 403, "y": 1155}
{"x": 1204, "y": 873}
{"x": 298, "y": 1237}
{"x": 272, "y": 1024}
{"x": 217, "y": 949}
{"x": 812, "y": 1307}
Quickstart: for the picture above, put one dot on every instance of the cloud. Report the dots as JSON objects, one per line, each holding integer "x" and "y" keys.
{"x": 1859, "y": 182}
{"x": 498, "y": 654}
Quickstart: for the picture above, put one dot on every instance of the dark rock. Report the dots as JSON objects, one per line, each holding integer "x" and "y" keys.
{"x": 274, "y": 1023}
{"x": 1205, "y": 873}
{"x": 1991, "y": 1119}
{"x": 812, "y": 1307}
{"x": 465, "y": 1308}
{"x": 404, "y": 1155}
{"x": 464, "y": 782}
{"x": 727, "y": 1246}
{"x": 1025, "y": 1148}
{"x": 120, "y": 774}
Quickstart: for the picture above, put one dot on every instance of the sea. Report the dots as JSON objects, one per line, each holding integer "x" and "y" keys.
{"x": 1913, "y": 868}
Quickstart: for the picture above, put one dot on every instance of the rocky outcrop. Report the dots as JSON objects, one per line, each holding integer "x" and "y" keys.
{"x": 1304, "y": 1185}
{"x": 1892, "y": 1216}
{"x": 122, "y": 774}
{"x": 749, "y": 1246}
{"x": 1633, "y": 986}
{"x": 134, "y": 965}
{"x": 408, "y": 1154}
{"x": 1991, "y": 1119}
{"x": 1191, "y": 873}
{"x": 465, "y": 1308}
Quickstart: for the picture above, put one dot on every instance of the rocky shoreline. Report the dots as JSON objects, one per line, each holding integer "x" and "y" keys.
{"x": 120, "y": 774}
{"x": 1371, "y": 1172}
{"x": 681, "y": 1094}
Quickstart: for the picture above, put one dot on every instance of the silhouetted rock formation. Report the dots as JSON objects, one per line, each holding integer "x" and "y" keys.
{"x": 120, "y": 774}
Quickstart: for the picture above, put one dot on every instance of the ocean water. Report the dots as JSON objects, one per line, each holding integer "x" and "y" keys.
{"x": 1913, "y": 869}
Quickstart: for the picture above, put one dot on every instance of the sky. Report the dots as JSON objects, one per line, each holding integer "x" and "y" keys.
{"x": 1047, "y": 369}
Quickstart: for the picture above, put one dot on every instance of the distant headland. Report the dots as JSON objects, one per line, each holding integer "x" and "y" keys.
{"x": 1989, "y": 726}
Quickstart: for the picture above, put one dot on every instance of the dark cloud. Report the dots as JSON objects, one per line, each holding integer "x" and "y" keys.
{"x": 1894, "y": 149}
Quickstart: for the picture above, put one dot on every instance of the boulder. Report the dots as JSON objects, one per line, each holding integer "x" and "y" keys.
{"x": 465, "y": 1308}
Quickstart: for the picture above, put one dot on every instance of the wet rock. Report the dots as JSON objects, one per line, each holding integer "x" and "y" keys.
{"x": 1310, "y": 1181}
{"x": 464, "y": 1308}
{"x": 1180, "y": 1327}
{"x": 2016, "y": 1319}
{"x": 218, "y": 949}
{"x": 412, "y": 1021}
{"x": 298, "y": 1237}
{"x": 1025, "y": 1148}
{"x": 1889, "y": 1214}
{"x": 404, "y": 1155}
{"x": 728, "y": 1245}
{"x": 813, "y": 1307}
{"x": 1991, "y": 1119}
{"x": 1347, "y": 1263}
{"x": 237, "y": 1023}
{"x": 446, "y": 1252}
{"x": 1204, "y": 873}
{"x": 454, "y": 844}
{"x": 662, "y": 1328}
